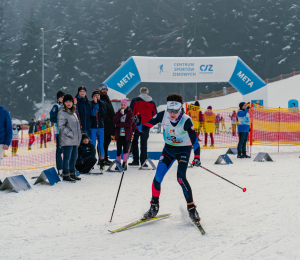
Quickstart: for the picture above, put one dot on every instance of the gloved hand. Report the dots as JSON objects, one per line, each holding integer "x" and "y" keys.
{"x": 80, "y": 162}
{"x": 196, "y": 162}
{"x": 137, "y": 119}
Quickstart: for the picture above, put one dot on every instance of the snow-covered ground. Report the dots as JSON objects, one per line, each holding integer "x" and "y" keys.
{"x": 71, "y": 221}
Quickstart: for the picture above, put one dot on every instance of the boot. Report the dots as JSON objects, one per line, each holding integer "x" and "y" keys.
{"x": 107, "y": 162}
{"x": 205, "y": 145}
{"x": 193, "y": 214}
{"x": 45, "y": 145}
{"x": 101, "y": 163}
{"x": 245, "y": 155}
{"x": 67, "y": 178}
{"x": 152, "y": 212}
{"x": 41, "y": 146}
{"x": 73, "y": 176}
{"x": 212, "y": 145}
{"x": 240, "y": 155}
{"x": 29, "y": 148}
{"x": 124, "y": 166}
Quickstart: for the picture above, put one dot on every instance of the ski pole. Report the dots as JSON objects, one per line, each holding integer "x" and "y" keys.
{"x": 244, "y": 189}
{"x": 121, "y": 178}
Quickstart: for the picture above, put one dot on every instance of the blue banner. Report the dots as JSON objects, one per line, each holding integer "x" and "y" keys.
{"x": 125, "y": 78}
{"x": 244, "y": 79}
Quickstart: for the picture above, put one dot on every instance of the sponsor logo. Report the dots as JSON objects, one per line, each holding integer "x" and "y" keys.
{"x": 161, "y": 158}
{"x": 206, "y": 69}
{"x": 172, "y": 131}
{"x": 244, "y": 78}
{"x": 192, "y": 127}
{"x": 182, "y": 161}
{"x": 125, "y": 80}
{"x": 161, "y": 68}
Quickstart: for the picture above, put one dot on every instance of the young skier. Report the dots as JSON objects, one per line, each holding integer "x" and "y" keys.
{"x": 180, "y": 137}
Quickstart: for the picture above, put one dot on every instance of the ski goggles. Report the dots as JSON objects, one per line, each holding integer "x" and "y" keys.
{"x": 175, "y": 111}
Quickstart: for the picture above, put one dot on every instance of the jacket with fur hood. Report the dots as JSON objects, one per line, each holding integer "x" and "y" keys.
{"x": 145, "y": 106}
{"x": 69, "y": 127}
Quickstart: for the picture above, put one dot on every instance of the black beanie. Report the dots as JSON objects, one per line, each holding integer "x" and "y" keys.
{"x": 84, "y": 136}
{"x": 81, "y": 88}
{"x": 95, "y": 92}
{"x": 60, "y": 94}
{"x": 197, "y": 103}
{"x": 241, "y": 105}
{"x": 68, "y": 97}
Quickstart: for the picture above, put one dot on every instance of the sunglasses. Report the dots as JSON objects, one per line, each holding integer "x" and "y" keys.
{"x": 173, "y": 111}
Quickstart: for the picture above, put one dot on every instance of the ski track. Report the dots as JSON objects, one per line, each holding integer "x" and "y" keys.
{"x": 71, "y": 221}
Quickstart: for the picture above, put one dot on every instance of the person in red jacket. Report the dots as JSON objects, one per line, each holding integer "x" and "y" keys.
{"x": 123, "y": 122}
{"x": 144, "y": 106}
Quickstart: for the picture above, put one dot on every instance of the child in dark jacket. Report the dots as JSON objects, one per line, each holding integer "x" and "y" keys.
{"x": 98, "y": 112}
{"x": 123, "y": 121}
{"x": 86, "y": 155}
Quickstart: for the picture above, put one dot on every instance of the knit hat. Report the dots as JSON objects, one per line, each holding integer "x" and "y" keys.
{"x": 209, "y": 107}
{"x": 95, "y": 92}
{"x": 60, "y": 94}
{"x": 102, "y": 86}
{"x": 241, "y": 105}
{"x": 124, "y": 102}
{"x": 84, "y": 136}
{"x": 81, "y": 88}
{"x": 68, "y": 97}
{"x": 197, "y": 103}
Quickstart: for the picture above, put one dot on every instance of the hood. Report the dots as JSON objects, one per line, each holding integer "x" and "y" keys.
{"x": 145, "y": 97}
{"x": 208, "y": 112}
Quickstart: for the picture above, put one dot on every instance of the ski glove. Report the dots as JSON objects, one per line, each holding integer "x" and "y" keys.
{"x": 196, "y": 162}
{"x": 137, "y": 119}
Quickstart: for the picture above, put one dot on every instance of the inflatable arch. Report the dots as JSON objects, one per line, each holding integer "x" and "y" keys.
{"x": 185, "y": 70}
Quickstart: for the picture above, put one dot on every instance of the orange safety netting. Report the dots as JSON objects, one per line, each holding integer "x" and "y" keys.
{"x": 31, "y": 151}
{"x": 275, "y": 126}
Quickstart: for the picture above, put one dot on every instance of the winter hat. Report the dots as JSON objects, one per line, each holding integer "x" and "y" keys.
{"x": 60, "y": 94}
{"x": 95, "y": 92}
{"x": 81, "y": 88}
{"x": 124, "y": 102}
{"x": 197, "y": 103}
{"x": 241, "y": 105}
{"x": 84, "y": 136}
{"x": 102, "y": 86}
{"x": 209, "y": 107}
{"x": 68, "y": 97}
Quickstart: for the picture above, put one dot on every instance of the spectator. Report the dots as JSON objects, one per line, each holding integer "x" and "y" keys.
{"x": 123, "y": 122}
{"x": 32, "y": 131}
{"x": 15, "y": 140}
{"x": 234, "y": 120}
{"x": 69, "y": 137}
{"x": 244, "y": 129}
{"x": 83, "y": 110}
{"x": 109, "y": 127}
{"x": 217, "y": 124}
{"x": 86, "y": 155}
{"x": 42, "y": 129}
{"x": 53, "y": 118}
{"x": 223, "y": 124}
{"x": 209, "y": 125}
{"x": 98, "y": 112}
{"x": 144, "y": 106}
{"x": 48, "y": 130}
{"x": 5, "y": 131}
{"x": 198, "y": 121}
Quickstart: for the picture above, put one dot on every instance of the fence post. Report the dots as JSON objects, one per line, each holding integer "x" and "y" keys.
{"x": 186, "y": 108}
{"x": 267, "y": 81}
{"x": 281, "y": 76}
{"x": 279, "y": 129}
{"x": 224, "y": 91}
{"x": 294, "y": 73}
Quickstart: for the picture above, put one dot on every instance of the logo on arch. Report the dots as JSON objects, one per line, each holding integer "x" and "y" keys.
{"x": 206, "y": 69}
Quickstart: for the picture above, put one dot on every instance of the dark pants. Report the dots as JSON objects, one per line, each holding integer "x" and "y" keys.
{"x": 242, "y": 142}
{"x": 168, "y": 157}
{"x": 70, "y": 156}
{"x": 58, "y": 155}
{"x": 107, "y": 140}
{"x": 135, "y": 146}
{"x": 211, "y": 138}
{"x": 87, "y": 166}
{"x": 122, "y": 143}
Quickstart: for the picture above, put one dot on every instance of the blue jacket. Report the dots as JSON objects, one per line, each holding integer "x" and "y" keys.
{"x": 84, "y": 111}
{"x": 244, "y": 121}
{"x": 100, "y": 110}
{"x": 5, "y": 127}
{"x": 53, "y": 114}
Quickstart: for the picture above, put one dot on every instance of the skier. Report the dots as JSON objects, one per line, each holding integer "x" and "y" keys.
{"x": 180, "y": 137}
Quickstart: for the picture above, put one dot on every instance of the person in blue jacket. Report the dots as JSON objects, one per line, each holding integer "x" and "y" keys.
{"x": 5, "y": 131}
{"x": 98, "y": 112}
{"x": 244, "y": 129}
{"x": 83, "y": 110}
{"x": 53, "y": 118}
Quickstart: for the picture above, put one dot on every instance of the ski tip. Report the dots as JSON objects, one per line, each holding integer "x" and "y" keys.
{"x": 244, "y": 190}
{"x": 109, "y": 221}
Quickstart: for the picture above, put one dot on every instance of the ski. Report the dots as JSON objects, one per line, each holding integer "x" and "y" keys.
{"x": 199, "y": 227}
{"x": 138, "y": 222}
